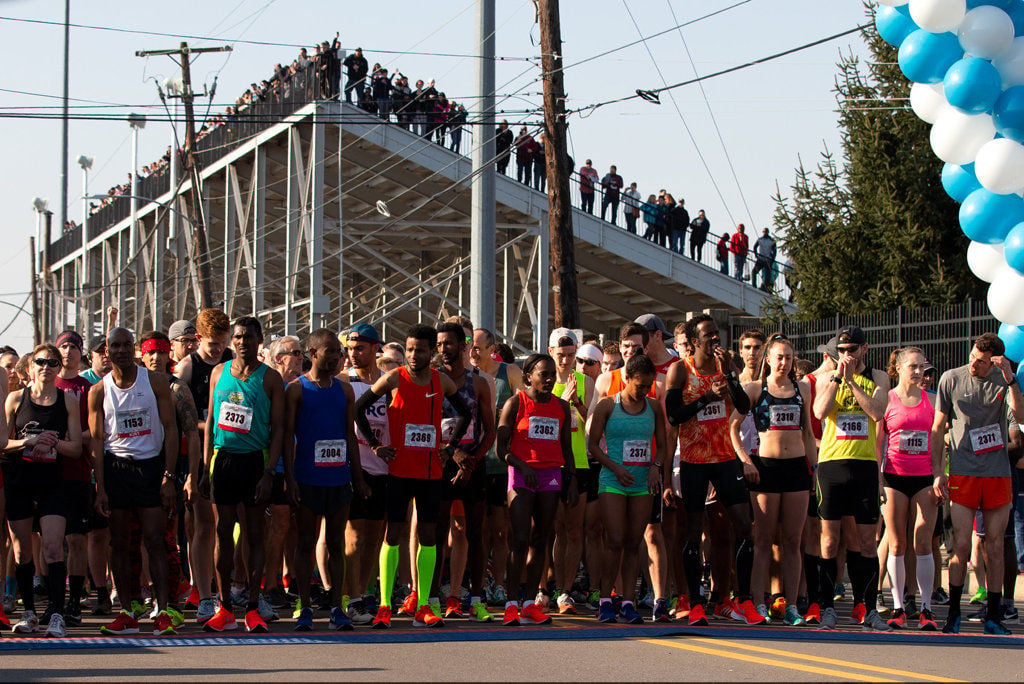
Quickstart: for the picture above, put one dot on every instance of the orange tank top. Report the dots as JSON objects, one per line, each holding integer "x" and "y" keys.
{"x": 704, "y": 438}
{"x": 536, "y": 439}
{"x": 618, "y": 383}
{"x": 414, "y": 424}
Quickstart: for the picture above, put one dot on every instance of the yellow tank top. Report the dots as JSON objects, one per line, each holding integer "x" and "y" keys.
{"x": 579, "y": 433}
{"x": 847, "y": 432}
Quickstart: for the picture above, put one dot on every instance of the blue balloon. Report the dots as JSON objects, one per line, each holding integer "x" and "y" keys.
{"x": 959, "y": 181}
{"x": 1013, "y": 338}
{"x": 972, "y": 85}
{"x": 1013, "y": 248}
{"x": 988, "y": 217}
{"x": 1016, "y": 12}
{"x": 925, "y": 57}
{"x": 1008, "y": 113}
{"x": 1004, "y": 5}
{"x": 893, "y": 25}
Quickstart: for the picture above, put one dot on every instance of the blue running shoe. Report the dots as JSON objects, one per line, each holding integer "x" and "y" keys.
{"x": 952, "y": 625}
{"x": 661, "y": 611}
{"x": 994, "y": 627}
{"x": 629, "y": 615}
{"x": 606, "y": 612}
{"x": 304, "y": 623}
{"x": 371, "y": 603}
{"x": 339, "y": 621}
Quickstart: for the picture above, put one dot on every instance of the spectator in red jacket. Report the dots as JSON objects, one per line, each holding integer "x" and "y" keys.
{"x": 723, "y": 253}
{"x": 525, "y": 147}
{"x": 588, "y": 177}
{"x": 739, "y": 246}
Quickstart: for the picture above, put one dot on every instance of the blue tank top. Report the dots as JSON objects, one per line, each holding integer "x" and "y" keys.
{"x": 630, "y": 441}
{"x": 321, "y": 438}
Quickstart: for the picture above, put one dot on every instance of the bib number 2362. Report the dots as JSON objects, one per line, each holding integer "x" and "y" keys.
{"x": 543, "y": 427}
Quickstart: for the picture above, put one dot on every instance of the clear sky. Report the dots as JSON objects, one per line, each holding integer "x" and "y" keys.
{"x": 768, "y": 116}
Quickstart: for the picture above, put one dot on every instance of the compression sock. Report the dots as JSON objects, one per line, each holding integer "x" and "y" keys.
{"x": 925, "y": 579}
{"x": 24, "y": 574}
{"x": 10, "y": 585}
{"x": 827, "y": 570}
{"x": 75, "y": 585}
{"x": 388, "y": 569}
{"x": 744, "y": 567}
{"x": 956, "y": 594}
{"x": 426, "y": 556}
{"x": 897, "y": 577}
{"x": 56, "y": 577}
{"x": 811, "y": 578}
{"x": 993, "y": 605}
{"x": 692, "y": 567}
{"x": 869, "y": 576}
{"x": 855, "y": 570}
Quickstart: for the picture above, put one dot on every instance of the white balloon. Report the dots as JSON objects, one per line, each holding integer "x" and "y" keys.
{"x": 1010, "y": 64}
{"x": 894, "y": 3}
{"x": 956, "y": 137}
{"x": 999, "y": 166}
{"x": 986, "y": 261}
{"x": 928, "y": 101}
{"x": 938, "y": 16}
{"x": 1005, "y": 297}
{"x": 986, "y": 31}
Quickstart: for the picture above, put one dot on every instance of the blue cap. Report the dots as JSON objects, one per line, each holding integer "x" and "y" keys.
{"x": 363, "y": 332}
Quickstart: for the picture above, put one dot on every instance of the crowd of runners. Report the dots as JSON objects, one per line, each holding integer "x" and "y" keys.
{"x": 340, "y": 481}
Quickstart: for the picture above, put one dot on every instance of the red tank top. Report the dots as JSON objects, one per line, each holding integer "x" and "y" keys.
{"x": 536, "y": 439}
{"x": 815, "y": 422}
{"x": 414, "y": 423}
{"x": 704, "y": 438}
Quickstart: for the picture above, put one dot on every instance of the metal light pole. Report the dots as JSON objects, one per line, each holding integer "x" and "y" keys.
{"x": 482, "y": 276}
{"x": 137, "y": 123}
{"x": 83, "y": 305}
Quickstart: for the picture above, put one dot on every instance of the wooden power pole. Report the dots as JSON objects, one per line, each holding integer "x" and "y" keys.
{"x": 556, "y": 158}
{"x": 197, "y": 217}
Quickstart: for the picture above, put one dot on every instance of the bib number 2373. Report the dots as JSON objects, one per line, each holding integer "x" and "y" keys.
{"x": 234, "y": 418}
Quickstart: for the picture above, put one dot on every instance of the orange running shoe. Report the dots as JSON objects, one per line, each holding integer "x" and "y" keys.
{"x": 813, "y": 616}
{"x": 532, "y": 614}
{"x": 511, "y": 616}
{"x": 383, "y": 618}
{"x": 425, "y": 618}
{"x": 409, "y": 605}
{"x": 857, "y": 614}
{"x": 778, "y": 609}
{"x": 682, "y": 610}
{"x": 223, "y": 620}
{"x": 697, "y": 617}
{"x": 163, "y": 625}
{"x": 725, "y": 608}
{"x": 748, "y": 613}
{"x": 453, "y": 608}
{"x": 254, "y": 623}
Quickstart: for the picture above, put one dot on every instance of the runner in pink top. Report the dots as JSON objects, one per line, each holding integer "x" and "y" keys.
{"x": 907, "y": 476}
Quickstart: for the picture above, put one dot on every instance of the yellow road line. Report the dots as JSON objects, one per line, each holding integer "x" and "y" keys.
{"x": 840, "y": 674}
{"x": 827, "y": 661}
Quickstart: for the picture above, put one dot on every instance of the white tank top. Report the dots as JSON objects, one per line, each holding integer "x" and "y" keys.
{"x": 131, "y": 419}
{"x": 378, "y": 419}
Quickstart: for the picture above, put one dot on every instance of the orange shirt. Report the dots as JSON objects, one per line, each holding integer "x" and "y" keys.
{"x": 704, "y": 438}
{"x": 536, "y": 438}
{"x": 414, "y": 423}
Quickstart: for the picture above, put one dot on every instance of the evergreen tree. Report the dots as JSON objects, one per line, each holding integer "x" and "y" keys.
{"x": 874, "y": 229}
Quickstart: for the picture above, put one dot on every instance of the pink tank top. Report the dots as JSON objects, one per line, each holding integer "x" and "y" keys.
{"x": 909, "y": 432}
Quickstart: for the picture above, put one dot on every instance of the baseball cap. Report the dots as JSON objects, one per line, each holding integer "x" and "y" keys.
{"x": 98, "y": 343}
{"x": 589, "y": 352}
{"x": 362, "y": 332}
{"x": 850, "y": 334}
{"x": 653, "y": 323}
{"x": 829, "y": 348}
{"x": 72, "y": 337}
{"x": 558, "y": 334}
{"x": 181, "y": 329}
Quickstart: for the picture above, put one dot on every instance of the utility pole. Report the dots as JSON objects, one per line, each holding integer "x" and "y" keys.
{"x": 482, "y": 231}
{"x": 48, "y": 298}
{"x": 36, "y": 335}
{"x": 556, "y": 159}
{"x": 64, "y": 122}
{"x": 197, "y": 218}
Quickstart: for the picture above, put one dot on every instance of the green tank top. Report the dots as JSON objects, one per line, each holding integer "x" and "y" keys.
{"x": 629, "y": 440}
{"x": 241, "y": 412}
{"x": 579, "y": 432}
{"x": 502, "y": 393}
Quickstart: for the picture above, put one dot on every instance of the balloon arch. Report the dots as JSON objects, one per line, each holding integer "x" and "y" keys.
{"x": 966, "y": 61}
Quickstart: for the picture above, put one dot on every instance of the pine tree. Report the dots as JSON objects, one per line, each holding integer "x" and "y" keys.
{"x": 874, "y": 229}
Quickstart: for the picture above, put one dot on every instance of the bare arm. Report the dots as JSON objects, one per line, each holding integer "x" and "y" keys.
{"x": 72, "y": 446}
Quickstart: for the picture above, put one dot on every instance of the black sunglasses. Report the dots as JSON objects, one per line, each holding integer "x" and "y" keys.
{"x": 587, "y": 362}
{"x": 41, "y": 362}
{"x": 848, "y": 350}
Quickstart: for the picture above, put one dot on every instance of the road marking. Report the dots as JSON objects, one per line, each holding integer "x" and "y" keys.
{"x": 827, "y": 661}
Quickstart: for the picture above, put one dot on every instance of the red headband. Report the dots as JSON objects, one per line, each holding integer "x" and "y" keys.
{"x": 156, "y": 345}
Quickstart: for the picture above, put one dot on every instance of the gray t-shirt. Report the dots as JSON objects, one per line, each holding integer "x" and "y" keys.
{"x": 977, "y": 410}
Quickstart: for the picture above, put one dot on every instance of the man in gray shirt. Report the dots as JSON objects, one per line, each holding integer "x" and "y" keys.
{"x": 972, "y": 403}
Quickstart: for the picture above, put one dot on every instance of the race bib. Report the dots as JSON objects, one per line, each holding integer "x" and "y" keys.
{"x": 913, "y": 442}
{"x": 544, "y": 428}
{"x": 448, "y": 427}
{"x": 133, "y": 422}
{"x": 378, "y": 432}
{"x": 851, "y": 426}
{"x": 784, "y": 417}
{"x": 234, "y": 418}
{"x": 986, "y": 439}
{"x": 636, "y": 452}
{"x": 574, "y": 419}
{"x": 712, "y": 412}
{"x": 330, "y": 453}
{"x": 420, "y": 436}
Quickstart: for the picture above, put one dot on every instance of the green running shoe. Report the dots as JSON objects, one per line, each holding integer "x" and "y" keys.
{"x": 138, "y": 609}
{"x": 478, "y": 613}
{"x": 980, "y": 596}
{"x": 177, "y": 619}
{"x": 298, "y": 609}
{"x": 792, "y": 616}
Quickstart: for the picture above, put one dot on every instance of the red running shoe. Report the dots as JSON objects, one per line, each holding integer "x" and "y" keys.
{"x": 193, "y": 599}
{"x": 254, "y": 623}
{"x": 4, "y": 620}
{"x": 748, "y": 613}
{"x": 511, "y": 616}
{"x": 425, "y": 618}
{"x": 453, "y": 608}
{"x": 697, "y": 617}
{"x": 163, "y": 625}
{"x": 124, "y": 623}
{"x": 898, "y": 619}
{"x": 223, "y": 620}
{"x": 725, "y": 608}
{"x": 813, "y": 616}
{"x": 926, "y": 622}
{"x": 682, "y": 610}
{"x": 383, "y": 618}
{"x": 533, "y": 614}
{"x": 857, "y": 614}
{"x": 409, "y": 605}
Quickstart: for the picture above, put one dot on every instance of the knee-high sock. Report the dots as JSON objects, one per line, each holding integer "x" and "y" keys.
{"x": 811, "y": 577}
{"x": 56, "y": 577}
{"x": 855, "y": 570}
{"x": 692, "y": 568}
{"x": 425, "y": 559}
{"x": 388, "y": 569}
{"x": 869, "y": 576}
{"x": 897, "y": 578}
{"x": 23, "y": 573}
{"x": 744, "y": 566}
{"x": 828, "y": 568}
{"x": 925, "y": 579}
